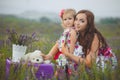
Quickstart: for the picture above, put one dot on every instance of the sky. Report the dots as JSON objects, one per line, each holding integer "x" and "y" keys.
{"x": 102, "y": 8}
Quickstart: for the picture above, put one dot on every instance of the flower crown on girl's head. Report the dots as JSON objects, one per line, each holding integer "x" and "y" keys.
{"x": 61, "y": 13}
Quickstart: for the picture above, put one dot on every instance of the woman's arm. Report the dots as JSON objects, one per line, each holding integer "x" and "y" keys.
{"x": 89, "y": 58}
{"x": 94, "y": 50}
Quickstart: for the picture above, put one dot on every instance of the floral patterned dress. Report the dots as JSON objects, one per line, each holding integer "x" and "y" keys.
{"x": 65, "y": 37}
{"x": 64, "y": 62}
{"x": 106, "y": 57}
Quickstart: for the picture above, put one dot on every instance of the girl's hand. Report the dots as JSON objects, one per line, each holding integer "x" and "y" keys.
{"x": 46, "y": 57}
{"x": 65, "y": 49}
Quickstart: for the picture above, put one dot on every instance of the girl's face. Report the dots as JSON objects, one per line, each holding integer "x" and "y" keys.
{"x": 68, "y": 20}
{"x": 80, "y": 22}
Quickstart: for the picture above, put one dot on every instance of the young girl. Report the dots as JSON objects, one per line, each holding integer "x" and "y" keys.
{"x": 68, "y": 36}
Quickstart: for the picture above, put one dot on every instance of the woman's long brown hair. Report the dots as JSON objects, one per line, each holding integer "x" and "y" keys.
{"x": 87, "y": 39}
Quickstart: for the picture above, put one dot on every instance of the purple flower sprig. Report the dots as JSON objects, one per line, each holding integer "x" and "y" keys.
{"x": 12, "y": 36}
{"x": 21, "y": 39}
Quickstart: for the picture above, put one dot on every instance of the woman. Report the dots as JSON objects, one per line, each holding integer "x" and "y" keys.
{"x": 88, "y": 37}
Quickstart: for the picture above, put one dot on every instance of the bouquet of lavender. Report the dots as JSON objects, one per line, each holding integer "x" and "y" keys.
{"x": 20, "y": 43}
{"x": 21, "y": 39}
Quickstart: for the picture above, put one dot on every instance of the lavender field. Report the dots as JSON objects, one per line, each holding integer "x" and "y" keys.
{"x": 47, "y": 33}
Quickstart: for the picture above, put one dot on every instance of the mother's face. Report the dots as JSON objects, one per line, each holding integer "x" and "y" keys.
{"x": 80, "y": 22}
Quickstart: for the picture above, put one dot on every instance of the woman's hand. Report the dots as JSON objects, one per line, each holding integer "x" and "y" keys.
{"x": 64, "y": 49}
{"x": 66, "y": 52}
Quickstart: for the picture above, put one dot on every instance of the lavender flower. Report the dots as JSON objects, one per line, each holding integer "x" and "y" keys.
{"x": 33, "y": 35}
{"x": 21, "y": 39}
{"x": 1, "y": 43}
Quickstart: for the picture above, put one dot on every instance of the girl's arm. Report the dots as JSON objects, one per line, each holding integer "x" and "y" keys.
{"x": 52, "y": 52}
{"x": 89, "y": 58}
{"x": 73, "y": 39}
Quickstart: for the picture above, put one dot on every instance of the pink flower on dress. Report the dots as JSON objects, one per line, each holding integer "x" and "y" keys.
{"x": 105, "y": 51}
{"x": 68, "y": 41}
{"x": 76, "y": 47}
{"x": 62, "y": 41}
